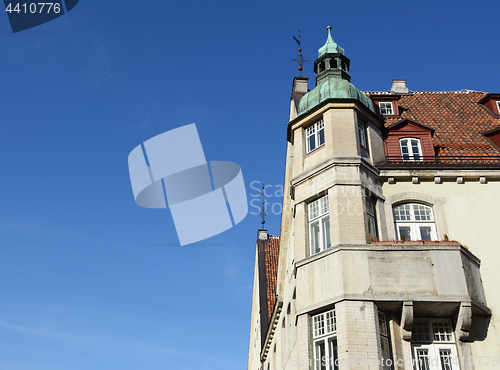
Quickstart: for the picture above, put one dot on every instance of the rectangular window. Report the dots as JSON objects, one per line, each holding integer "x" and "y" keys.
{"x": 434, "y": 345}
{"x": 371, "y": 216}
{"x": 498, "y": 106}
{"x": 362, "y": 136}
{"x": 325, "y": 341}
{"x": 386, "y": 108}
{"x": 411, "y": 150}
{"x": 383, "y": 333}
{"x": 319, "y": 225}
{"x": 315, "y": 135}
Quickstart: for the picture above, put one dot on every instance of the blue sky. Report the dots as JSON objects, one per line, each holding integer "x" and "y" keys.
{"x": 88, "y": 279}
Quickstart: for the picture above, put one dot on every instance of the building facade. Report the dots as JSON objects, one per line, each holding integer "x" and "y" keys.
{"x": 388, "y": 256}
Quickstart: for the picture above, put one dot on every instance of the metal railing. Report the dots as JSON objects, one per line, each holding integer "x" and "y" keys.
{"x": 438, "y": 161}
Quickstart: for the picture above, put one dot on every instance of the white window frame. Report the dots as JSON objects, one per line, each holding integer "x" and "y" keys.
{"x": 387, "y": 109}
{"x": 410, "y": 217}
{"x": 498, "y": 106}
{"x": 318, "y": 214}
{"x": 414, "y": 149}
{"x": 430, "y": 344}
{"x": 362, "y": 134}
{"x": 324, "y": 332}
{"x": 315, "y": 136}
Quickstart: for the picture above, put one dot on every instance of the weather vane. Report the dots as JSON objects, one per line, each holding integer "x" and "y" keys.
{"x": 263, "y": 212}
{"x": 299, "y": 60}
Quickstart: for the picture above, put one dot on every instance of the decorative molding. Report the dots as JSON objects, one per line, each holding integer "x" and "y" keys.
{"x": 464, "y": 321}
{"x": 407, "y": 320}
{"x": 273, "y": 323}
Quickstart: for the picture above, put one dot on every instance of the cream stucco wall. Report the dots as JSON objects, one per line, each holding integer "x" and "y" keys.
{"x": 470, "y": 215}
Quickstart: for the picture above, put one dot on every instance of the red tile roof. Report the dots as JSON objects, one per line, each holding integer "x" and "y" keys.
{"x": 271, "y": 254}
{"x": 456, "y": 116}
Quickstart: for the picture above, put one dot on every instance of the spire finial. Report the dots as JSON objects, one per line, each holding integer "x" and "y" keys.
{"x": 263, "y": 212}
{"x": 299, "y": 60}
{"x": 329, "y": 28}
{"x": 330, "y": 45}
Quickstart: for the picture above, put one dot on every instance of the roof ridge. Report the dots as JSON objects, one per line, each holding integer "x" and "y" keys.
{"x": 463, "y": 91}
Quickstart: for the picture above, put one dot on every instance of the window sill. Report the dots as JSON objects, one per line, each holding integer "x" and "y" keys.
{"x": 315, "y": 150}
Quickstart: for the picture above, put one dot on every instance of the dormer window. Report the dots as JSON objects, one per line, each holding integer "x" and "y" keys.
{"x": 498, "y": 106}
{"x": 315, "y": 135}
{"x": 386, "y": 108}
{"x": 410, "y": 149}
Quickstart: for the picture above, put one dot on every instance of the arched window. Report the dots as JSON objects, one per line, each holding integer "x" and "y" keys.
{"x": 410, "y": 149}
{"x": 414, "y": 221}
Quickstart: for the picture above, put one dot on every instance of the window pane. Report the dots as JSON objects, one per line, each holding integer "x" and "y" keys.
{"x": 415, "y": 147}
{"x": 372, "y": 230}
{"x": 422, "y": 213}
{"x": 319, "y": 352}
{"x": 324, "y": 205}
{"x": 384, "y": 344}
{"x": 311, "y": 143}
{"x": 313, "y": 210}
{"x": 382, "y": 325}
{"x": 326, "y": 232}
{"x": 404, "y": 230}
{"x": 420, "y": 331}
{"x": 425, "y": 233}
{"x": 332, "y": 353}
{"x": 319, "y": 325}
{"x": 321, "y": 137}
{"x": 314, "y": 234}
{"x": 445, "y": 359}
{"x": 330, "y": 322}
{"x": 442, "y": 331}
{"x": 423, "y": 359}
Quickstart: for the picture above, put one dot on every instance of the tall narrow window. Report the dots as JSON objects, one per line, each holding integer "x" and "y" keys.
{"x": 325, "y": 341}
{"x": 315, "y": 135}
{"x": 411, "y": 150}
{"x": 386, "y": 108}
{"x": 434, "y": 345}
{"x": 371, "y": 216}
{"x": 319, "y": 225}
{"x": 498, "y": 106}
{"x": 363, "y": 138}
{"x": 383, "y": 333}
{"x": 414, "y": 222}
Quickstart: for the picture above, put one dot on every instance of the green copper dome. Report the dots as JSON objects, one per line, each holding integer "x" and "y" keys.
{"x": 333, "y": 80}
{"x": 330, "y": 46}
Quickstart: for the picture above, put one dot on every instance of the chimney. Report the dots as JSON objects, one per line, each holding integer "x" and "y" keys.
{"x": 399, "y": 87}
{"x": 300, "y": 85}
{"x": 262, "y": 234}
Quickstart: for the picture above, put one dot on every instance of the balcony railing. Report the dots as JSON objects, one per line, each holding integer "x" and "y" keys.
{"x": 440, "y": 161}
